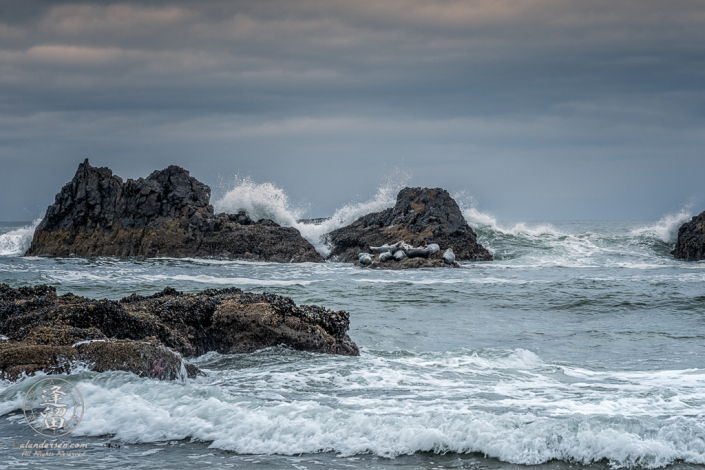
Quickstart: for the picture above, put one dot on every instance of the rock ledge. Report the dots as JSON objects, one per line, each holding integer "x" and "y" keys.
{"x": 45, "y": 332}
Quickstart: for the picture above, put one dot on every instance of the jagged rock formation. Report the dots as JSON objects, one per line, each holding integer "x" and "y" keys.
{"x": 420, "y": 216}
{"x": 149, "y": 335}
{"x": 691, "y": 240}
{"x": 166, "y": 214}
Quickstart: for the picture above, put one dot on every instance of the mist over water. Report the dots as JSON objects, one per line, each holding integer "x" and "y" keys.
{"x": 580, "y": 344}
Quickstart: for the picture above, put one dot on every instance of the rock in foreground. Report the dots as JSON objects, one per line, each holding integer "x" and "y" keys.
{"x": 421, "y": 216}
{"x": 149, "y": 335}
{"x": 166, "y": 214}
{"x": 691, "y": 240}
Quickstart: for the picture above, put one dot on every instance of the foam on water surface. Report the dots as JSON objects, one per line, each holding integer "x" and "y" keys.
{"x": 507, "y": 404}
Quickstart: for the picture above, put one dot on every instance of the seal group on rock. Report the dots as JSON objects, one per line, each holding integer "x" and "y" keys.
{"x": 421, "y": 216}
{"x": 405, "y": 257}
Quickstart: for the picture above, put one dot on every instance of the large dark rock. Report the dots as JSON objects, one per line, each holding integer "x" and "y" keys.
{"x": 691, "y": 240}
{"x": 166, "y": 214}
{"x": 420, "y": 216}
{"x": 45, "y": 332}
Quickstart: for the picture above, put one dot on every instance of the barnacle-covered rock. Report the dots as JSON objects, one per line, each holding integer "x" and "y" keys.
{"x": 149, "y": 335}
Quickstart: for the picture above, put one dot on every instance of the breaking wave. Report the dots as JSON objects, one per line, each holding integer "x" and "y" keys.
{"x": 16, "y": 242}
{"x": 506, "y": 404}
{"x": 266, "y": 201}
{"x": 665, "y": 229}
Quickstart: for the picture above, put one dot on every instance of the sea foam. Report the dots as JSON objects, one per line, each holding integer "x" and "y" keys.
{"x": 507, "y": 404}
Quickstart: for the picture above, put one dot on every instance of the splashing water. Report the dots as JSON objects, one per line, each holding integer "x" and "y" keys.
{"x": 487, "y": 222}
{"x": 16, "y": 242}
{"x": 666, "y": 229}
{"x": 261, "y": 201}
{"x": 266, "y": 201}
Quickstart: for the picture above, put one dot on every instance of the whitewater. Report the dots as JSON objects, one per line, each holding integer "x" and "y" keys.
{"x": 580, "y": 345}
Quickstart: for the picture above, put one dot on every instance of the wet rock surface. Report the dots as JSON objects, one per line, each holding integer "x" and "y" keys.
{"x": 421, "y": 216}
{"x": 690, "y": 245}
{"x": 149, "y": 335}
{"x": 166, "y": 214}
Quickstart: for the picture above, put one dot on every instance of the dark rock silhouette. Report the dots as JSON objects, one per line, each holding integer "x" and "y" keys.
{"x": 149, "y": 335}
{"x": 166, "y": 214}
{"x": 690, "y": 245}
{"x": 420, "y": 216}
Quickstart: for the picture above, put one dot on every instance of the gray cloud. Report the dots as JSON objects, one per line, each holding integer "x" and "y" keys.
{"x": 541, "y": 109}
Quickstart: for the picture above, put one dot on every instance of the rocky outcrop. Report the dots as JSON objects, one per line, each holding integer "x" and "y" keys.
{"x": 433, "y": 261}
{"x": 421, "y": 216}
{"x": 149, "y": 335}
{"x": 165, "y": 215}
{"x": 690, "y": 245}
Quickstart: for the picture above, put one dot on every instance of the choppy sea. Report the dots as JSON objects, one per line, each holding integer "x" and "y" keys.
{"x": 582, "y": 345}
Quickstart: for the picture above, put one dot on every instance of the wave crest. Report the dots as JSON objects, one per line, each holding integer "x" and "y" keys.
{"x": 267, "y": 201}
{"x": 665, "y": 229}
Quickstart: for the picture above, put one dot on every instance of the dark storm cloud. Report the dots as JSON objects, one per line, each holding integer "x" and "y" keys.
{"x": 541, "y": 109}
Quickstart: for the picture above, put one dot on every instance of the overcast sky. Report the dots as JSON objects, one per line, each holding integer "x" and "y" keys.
{"x": 539, "y": 109}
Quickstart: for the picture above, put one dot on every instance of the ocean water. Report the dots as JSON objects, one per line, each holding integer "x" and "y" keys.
{"x": 581, "y": 345}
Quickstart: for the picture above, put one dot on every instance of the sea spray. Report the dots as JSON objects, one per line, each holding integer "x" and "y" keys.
{"x": 265, "y": 200}
{"x": 666, "y": 229}
{"x": 16, "y": 242}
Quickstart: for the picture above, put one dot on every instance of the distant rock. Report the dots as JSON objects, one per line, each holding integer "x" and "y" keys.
{"x": 149, "y": 335}
{"x": 421, "y": 216}
{"x": 167, "y": 214}
{"x": 690, "y": 245}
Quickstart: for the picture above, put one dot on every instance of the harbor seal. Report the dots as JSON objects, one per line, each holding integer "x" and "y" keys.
{"x": 449, "y": 256}
{"x": 399, "y": 255}
{"x": 387, "y": 248}
{"x": 365, "y": 259}
{"x": 386, "y": 256}
{"x": 417, "y": 253}
{"x": 433, "y": 248}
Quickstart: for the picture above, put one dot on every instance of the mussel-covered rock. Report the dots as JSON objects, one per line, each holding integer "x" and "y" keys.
{"x": 149, "y": 335}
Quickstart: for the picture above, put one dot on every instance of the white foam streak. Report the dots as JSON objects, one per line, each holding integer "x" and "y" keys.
{"x": 269, "y": 202}
{"x": 666, "y": 229}
{"x": 16, "y": 242}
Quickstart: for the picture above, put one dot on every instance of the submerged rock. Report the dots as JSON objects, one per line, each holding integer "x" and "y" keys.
{"x": 149, "y": 335}
{"x": 421, "y": 216}
{"x": 166, "y": 214}
{"x": 690, "y": 245}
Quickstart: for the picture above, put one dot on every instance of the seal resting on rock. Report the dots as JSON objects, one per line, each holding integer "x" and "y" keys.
{"x": 449, "y": 256}
{"x": 365, "y": 259}
{"x": 418, "y": 253}
{"x": 386, "y": 256}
